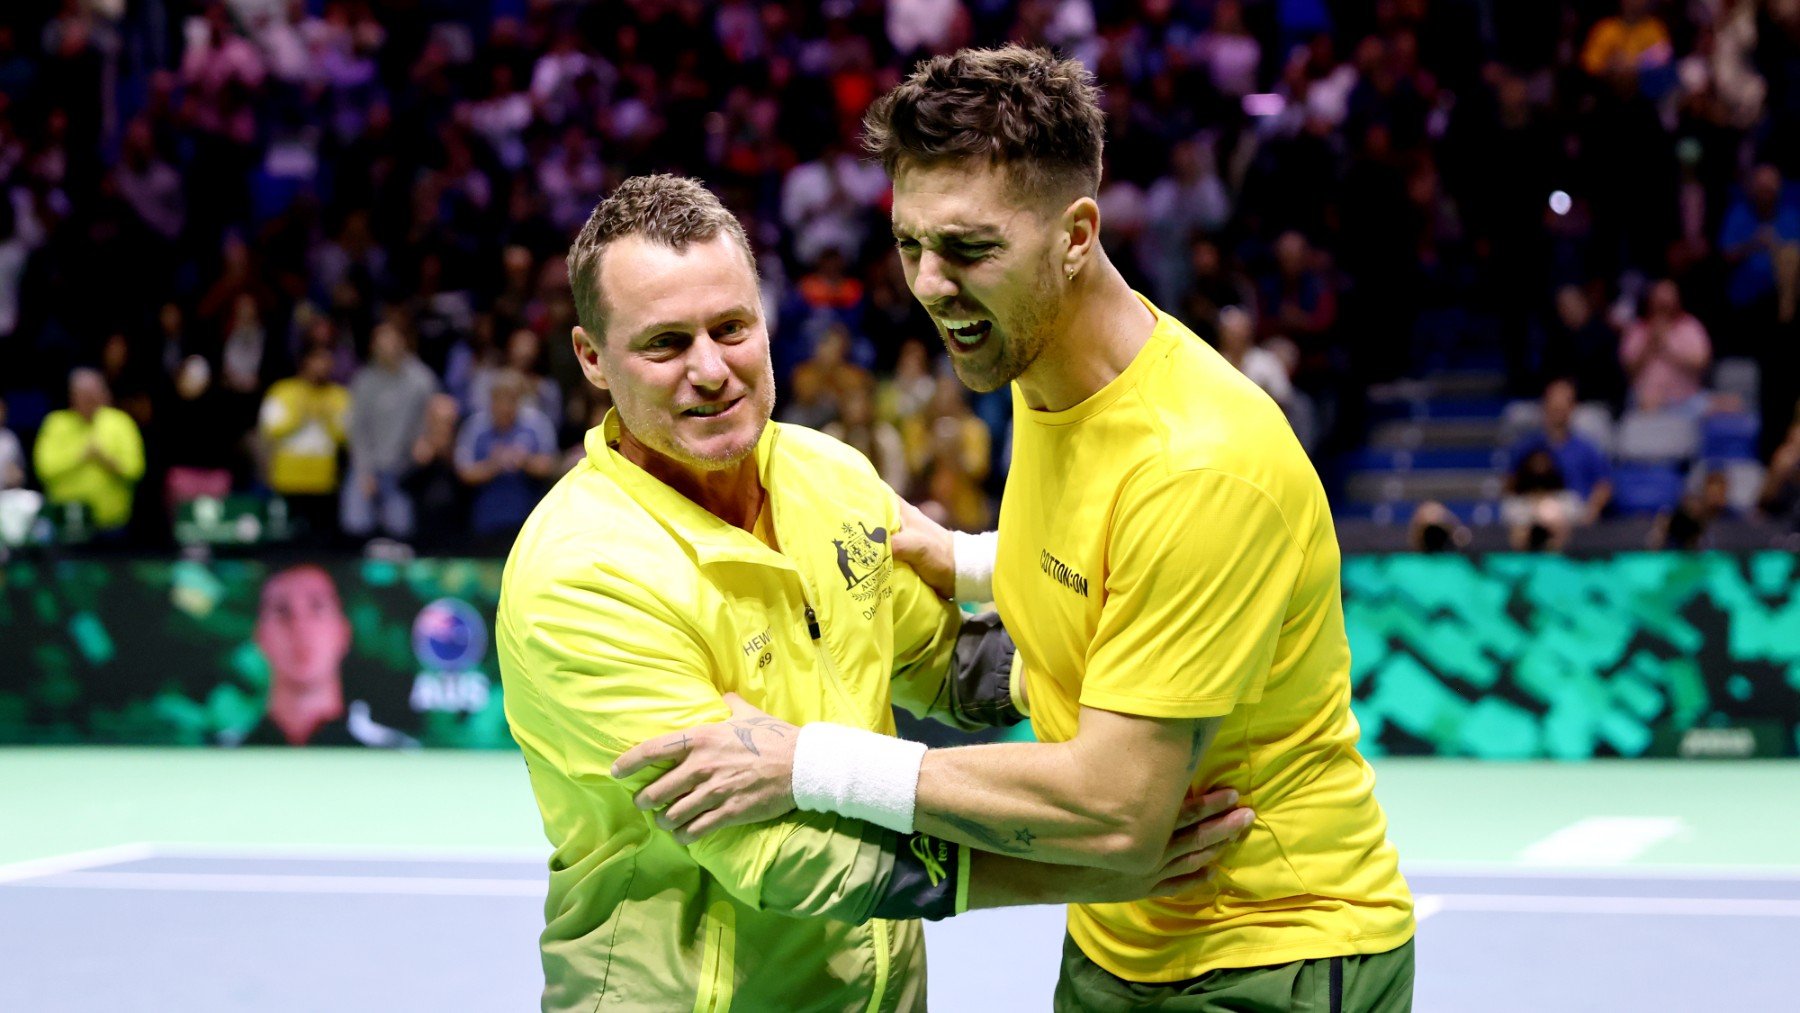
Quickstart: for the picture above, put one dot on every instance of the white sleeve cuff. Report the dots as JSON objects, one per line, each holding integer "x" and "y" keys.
{"x": 974, "y": 559}
{"x": 856, "y": 773}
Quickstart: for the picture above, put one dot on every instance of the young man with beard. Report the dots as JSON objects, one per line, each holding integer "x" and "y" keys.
{"x": 700, "y": 551}
{"x": 1168, "y": 566}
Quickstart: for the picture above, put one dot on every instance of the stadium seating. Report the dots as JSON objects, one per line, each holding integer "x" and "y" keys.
{"x": 1657, "y": 437}
{"x": 1646, "y": 487}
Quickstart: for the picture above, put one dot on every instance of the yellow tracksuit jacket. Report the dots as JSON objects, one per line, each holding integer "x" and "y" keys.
{"x": 627, "y": 611}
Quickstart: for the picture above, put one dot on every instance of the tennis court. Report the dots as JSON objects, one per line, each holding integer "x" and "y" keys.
{"x": 289, "y": 881}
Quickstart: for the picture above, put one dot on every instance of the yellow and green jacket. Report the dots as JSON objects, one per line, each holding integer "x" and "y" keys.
{"x": 627, "y": 611}
{"x": 60, "y": 459}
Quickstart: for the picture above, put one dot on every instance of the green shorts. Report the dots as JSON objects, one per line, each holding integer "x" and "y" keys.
{"x": 1363, "y": 983}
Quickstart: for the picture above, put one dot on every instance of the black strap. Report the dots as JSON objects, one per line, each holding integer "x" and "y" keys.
{"x": 1337, "y": 985}
{"x": 923, "y": 883}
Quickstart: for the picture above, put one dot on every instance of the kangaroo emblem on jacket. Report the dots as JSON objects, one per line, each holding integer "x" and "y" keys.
{"x": 863, "y": 559}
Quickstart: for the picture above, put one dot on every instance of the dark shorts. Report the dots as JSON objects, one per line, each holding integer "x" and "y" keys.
{"x": 1363, "y": 983}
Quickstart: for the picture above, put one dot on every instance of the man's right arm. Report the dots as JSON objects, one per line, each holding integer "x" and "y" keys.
{"x": 1208, "y": 826}
{"x": 610, "y": 663}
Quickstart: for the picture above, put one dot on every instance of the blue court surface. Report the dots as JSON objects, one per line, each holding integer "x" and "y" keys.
{"x": 153, "y": 928}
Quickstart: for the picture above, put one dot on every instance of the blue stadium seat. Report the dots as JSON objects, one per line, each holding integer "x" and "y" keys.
{"x": 1730, "y": 437}
{"x": 1640, "y": 488}
{"x": 1427, "y": 459}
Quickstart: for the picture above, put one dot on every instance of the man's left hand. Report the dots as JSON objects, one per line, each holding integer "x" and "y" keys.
{"x": 738, "y": 771}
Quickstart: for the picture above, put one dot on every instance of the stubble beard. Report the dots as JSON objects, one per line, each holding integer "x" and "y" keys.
{"x": 672, "y": 449}
{"x": 1018, "y": 345}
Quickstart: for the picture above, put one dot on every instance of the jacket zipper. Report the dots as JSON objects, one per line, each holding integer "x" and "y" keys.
{"x": 878, "y": 928}
{"x": 717, "y": 962}
{"x": 831, "y": 672}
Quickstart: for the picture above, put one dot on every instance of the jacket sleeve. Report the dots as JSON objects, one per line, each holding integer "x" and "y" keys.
{"x": 279, "y": 415}
{"x": 127, "y": 448}
{"x": 57, "y": 451}
{"x": 971, "y": 688}
{"x": 605, "y": 664}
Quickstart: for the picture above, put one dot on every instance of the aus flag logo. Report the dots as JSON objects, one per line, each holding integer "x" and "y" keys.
{"x": 863, "y": 560}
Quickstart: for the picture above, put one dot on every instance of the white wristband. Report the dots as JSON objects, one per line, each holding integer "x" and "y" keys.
{"x": 973, "y": 556}
{"x": 856, "y": 773}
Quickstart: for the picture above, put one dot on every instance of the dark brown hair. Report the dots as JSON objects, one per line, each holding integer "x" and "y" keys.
{"x": 672, "y": 211}
{"x": 1024, "y": 109}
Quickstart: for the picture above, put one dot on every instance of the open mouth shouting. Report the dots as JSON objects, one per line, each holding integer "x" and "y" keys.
{"x": 966, "y": 335}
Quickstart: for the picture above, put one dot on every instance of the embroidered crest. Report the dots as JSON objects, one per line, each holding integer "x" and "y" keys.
{"x": 863, "y": 559}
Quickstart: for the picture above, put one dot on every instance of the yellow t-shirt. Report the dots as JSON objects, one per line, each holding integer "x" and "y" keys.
{"x": 304, "y": 425}
{"x": 1166, "y": 550}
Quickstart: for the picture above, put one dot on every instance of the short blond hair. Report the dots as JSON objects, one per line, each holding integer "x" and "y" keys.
{"x": 669, "y": 210}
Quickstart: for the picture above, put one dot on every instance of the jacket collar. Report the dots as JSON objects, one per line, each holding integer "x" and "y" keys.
{"x": 710, "y": 539}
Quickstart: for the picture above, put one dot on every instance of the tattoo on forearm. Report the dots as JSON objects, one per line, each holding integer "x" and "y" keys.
{"x": 990, "y": 840}
{"x": 1198, "y": 746}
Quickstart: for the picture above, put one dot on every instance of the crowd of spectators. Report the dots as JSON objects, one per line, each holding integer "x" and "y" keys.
{"x": 314, "y": 247}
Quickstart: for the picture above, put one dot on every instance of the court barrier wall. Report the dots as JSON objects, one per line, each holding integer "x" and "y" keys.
{"x": 1497, "y": 656}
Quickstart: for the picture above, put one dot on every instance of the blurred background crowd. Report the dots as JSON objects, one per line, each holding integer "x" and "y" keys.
{"x": 1522, "y": 270}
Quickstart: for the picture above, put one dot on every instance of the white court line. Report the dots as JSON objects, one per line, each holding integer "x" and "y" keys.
{"x": 1503, "y": 903}
{"x": 54, "y": 865}
{"x": 353, "y": 853}
{"x": 1425, "y": 905}
{"x": 1602, "y": 840}
{"x": 1481, "y": 870}
{"x": 233, "y": 883}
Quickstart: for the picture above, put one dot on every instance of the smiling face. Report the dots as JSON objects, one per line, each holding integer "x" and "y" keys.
{"x": 685, "y": 353}
{"x": 984, "y": 261}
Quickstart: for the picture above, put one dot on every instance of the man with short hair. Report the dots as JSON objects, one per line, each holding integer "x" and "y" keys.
{"x": 387, "y": 411}
{"x": 304, "y": 637}
{"x": 90, "y": 453}
{"x": 700, "y": 550}
{"x": 505, "y": 453}
{"x": 302, "y": 423}
{"x": 1585, "y": 473}
{"x": 1166, "y": 562}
